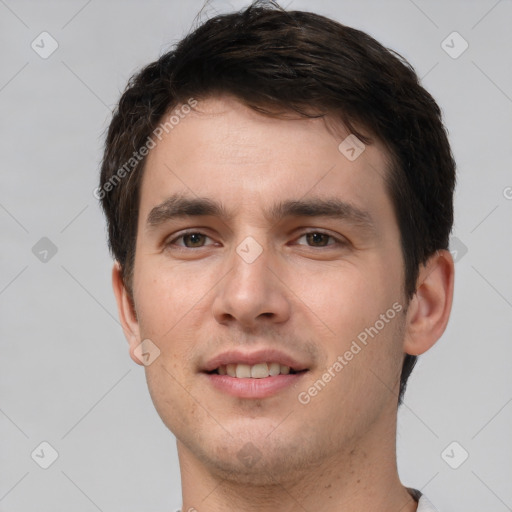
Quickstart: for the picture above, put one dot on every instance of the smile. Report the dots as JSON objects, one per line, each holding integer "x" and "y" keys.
{"x": 257, "y": 381}
{"x": 255, "y": 371}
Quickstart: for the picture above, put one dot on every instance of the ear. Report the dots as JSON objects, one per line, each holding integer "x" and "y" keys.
{"x": 430, "y": 307}
{"x": 126, "y": 311}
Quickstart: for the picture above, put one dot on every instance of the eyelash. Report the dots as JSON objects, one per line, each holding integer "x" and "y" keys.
{"x": 338, "y": 242}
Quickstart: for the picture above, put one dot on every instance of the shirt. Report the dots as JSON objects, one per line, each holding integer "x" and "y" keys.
{"x": 424, "y": 504}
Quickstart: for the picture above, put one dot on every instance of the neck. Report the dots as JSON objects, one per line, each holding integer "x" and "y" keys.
{"x": 361, "y": 477}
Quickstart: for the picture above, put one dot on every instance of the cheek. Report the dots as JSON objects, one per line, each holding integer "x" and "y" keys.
{"x": 172, "y": 306}
{"x": 364, "y": 380}
{"x": 345, "y": 299}
{"x": 166, "y": 387}
{"x": 358, "y": 312}
{"x": 166, "y": 297}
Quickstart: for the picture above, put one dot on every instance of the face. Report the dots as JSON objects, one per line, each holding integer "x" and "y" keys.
{"x": 294, "y": 284}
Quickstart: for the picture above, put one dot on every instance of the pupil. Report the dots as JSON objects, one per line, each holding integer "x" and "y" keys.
{"x": 194, "y": 238}
{"x": 317, "y": 237}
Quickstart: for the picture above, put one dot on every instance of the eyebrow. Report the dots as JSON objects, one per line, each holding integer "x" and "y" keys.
{"x": 180, "y": 206}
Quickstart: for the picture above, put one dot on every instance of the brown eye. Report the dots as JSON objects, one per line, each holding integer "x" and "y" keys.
{"x": 194, "y": 238}
{"x": 320, "y": 239}
{"x": 191, "y": 240}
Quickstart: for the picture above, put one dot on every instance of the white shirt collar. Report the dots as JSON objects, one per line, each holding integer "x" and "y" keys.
{"x": 424, "y": 504}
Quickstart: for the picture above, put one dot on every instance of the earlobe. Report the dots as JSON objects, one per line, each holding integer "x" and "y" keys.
{"x": 430, "y": 307}
{"x": 126, "y": 311}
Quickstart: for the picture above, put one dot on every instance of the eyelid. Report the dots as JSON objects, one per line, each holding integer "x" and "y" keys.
{"x": 181, "y": 234}
{"x": 338, "y": 240}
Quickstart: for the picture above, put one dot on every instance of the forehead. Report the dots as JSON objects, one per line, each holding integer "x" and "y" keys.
{"x": 227, "y": 151}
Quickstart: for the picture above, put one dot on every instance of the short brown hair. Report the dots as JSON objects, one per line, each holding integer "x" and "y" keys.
{"x": 271, "y": 60}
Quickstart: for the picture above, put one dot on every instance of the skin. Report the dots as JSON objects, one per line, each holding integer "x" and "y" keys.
{"x": 309, "y": 299}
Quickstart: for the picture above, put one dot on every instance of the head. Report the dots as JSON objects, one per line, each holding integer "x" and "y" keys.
{"x": 249, "y": 110}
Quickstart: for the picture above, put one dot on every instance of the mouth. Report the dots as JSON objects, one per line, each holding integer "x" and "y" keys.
{"x": 256, "y": 375}
{"x": 255, "y": 371}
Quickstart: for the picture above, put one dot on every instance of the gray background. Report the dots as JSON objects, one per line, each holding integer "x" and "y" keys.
{"x": 65, "y": 375}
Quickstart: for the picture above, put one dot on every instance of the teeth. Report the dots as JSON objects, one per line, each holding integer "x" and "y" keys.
{"x": 274, "y": 369}
{"x": 259, "y": 371}
{"x": 255, "y": 371}
{"x": 243, "y": 371}
{"x": 285, "y": 370}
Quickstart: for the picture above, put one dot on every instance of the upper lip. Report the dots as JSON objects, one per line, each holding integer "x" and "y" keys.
{"x": 254, "y": 357}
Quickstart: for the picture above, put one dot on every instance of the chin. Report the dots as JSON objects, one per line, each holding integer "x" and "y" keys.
{"x": 258, "y": 459}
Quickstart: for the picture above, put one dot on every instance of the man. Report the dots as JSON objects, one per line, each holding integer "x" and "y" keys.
{"x": 278, "y": 191}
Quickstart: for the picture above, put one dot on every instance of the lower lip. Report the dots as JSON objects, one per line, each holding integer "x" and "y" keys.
{"x": 253, "y": 388}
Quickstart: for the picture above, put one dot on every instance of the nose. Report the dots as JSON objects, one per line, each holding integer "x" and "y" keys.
{"x": 252, "y": 294}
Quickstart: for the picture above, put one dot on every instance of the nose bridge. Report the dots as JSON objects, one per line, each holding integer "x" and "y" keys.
{"x": 250, "y": 291}
{"x": 251, "y": 276}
